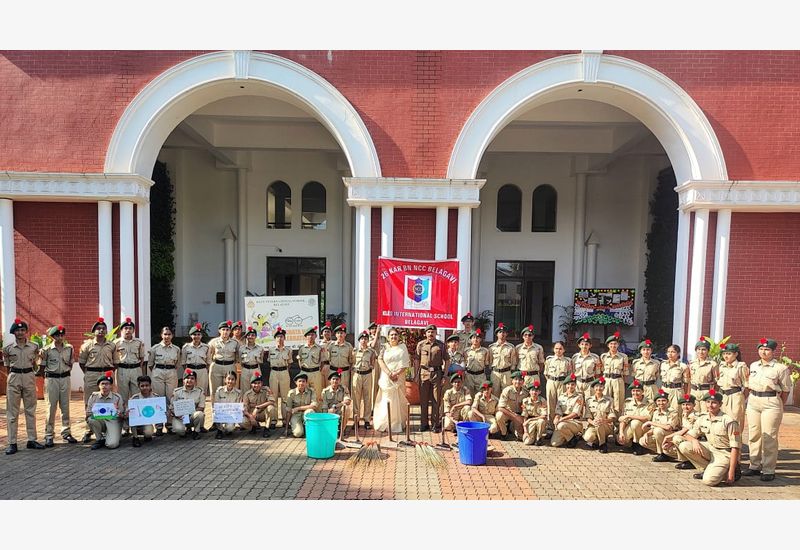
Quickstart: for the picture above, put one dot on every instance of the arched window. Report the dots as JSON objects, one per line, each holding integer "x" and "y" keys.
{"x": 544, "y": 209}
{"x": 509, "y": 208}
{"x": 279, "y": 206}
{"x": 314, "y": 206}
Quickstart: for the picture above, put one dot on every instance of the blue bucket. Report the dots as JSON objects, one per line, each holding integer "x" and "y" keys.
{"x": 322, "y": 430}
{"x": 473, "y": 440}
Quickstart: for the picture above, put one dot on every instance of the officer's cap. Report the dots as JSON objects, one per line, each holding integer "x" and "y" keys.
{"x": 467, "y": 317}
{"x": 340, "y": 328}
{"x": 614, "y": 338}
{"x": 713, "y": 395}
{"x": 702, "y": 343}
{"x": 108, "y": 376}
{"x": 195, "y": 329}
{"x": 301, "y": 376}
{"x": 279, "y": 331}
{"x": 226, "y": 324}
{"x": 100, "y": 321}
{"x": 128, "y": 322}
{"x": 636, "y": 385}
{"x": 528, "y": 330}
{"x": 453, "y": 338}
{"x": 431, "y": 327}
{"x": 768, "y": 343}
{"x": 311, "y": 331}
{"x": 18, "y": 324}
{"x": 53, "y": 331}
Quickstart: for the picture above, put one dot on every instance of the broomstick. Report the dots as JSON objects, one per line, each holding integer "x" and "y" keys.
{"x": 408, "y": 442}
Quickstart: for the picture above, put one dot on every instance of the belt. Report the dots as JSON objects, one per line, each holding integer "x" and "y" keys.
{"x": 364, "y": 371}
{"x": 478, "y": 373}
{"x": 649, "y": 382}
{"x": 95, "y": 369}
{"x": 585, "y": 380}
{"x": 343, "y": 369}
{"x": 196, "y": 367}
{"x": 21, "y": 371}
{"x": 256, "y": 366}
{"x": 770, "y": 393}
{"x": 731, "y": 391}
{"x": 310, "y": 370}
{"x": 278, "y": 369}
{"x": 56, "y": 375}
{"x": 613, "y": 375}
{"x": 502, "y": 370}
{"x": 702, "y": 386}
{"x": 164, "y": 366}
{"x": 673, "y": 385}
{"x": 220, "y": 362}
{"x": 557, "y": 378}
{"x": 127, "y": 365}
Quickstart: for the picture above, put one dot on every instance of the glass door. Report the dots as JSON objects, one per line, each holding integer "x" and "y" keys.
{"x": 297, "y": 277}
{"x": 524, "y": 296}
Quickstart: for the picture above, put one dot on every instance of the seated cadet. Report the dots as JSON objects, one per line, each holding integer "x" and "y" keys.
{"x": 228, "y": 393}
{"x": 107, "y": 431}
{"x": 301, "y": 401}
{"x": 198, "y": 417}
{"x": 568, "y": 415}
{"x": 714, "y": 444}
{"x": 259, "y": 406}
{"x": 600, "y": 416}
{"x": 663, "y": 421}
{"x": 335, "y": 398}
{"x": 636, "y": 411}
{"x": 534, "y": 415}
{"x": 145, "y": 385}
{"x": 484, "y": 408}
{"x": 509, "y": 409}
{"x": 672, "y": 441}
{"x": 457, "y": 401}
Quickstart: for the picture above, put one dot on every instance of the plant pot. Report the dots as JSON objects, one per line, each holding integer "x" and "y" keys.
{"x": 40, "y": 387}
{"x": 412, "y": 392}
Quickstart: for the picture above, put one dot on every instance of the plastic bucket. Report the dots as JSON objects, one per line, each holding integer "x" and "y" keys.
{"x": 473, "y": 440}
{"x": 322, "y": 430}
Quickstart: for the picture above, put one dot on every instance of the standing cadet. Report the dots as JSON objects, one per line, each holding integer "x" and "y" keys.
{"x": 504, "y": 360}
{"x": 704, "y": 372}
{"x": 21, "y": 357}
{"x": 484, "y": 407}
{"x": 510, "y": 407}
{"x": 376, "y": 339}
{"x": 57, "y": 365}
{"x": 675, "y": 376}
{"x": 326, "y": 339}
{"x": 189, "y": 390}
{"x": 310, "y": 357}
{"x": 615, "y": 369}
{"x": 464, "y": 335}
{"x": 646, "y": 369}
{"x": 478, "y": 360}
{"x": 96, "y": 357}
{"x": 145, "y": 384}
{"x": 336, "y": 399}
{"x": 587, "y": 366}
{"x": 280, "y": 359}
{"x": 672, "y": 441}
{"x": 365, "y": 360}
{"x": 534, "y": 415}
{"x": 663, "y": 421}
{"x": 259, "y": 406}
{"x": 107, "y": 431}
{"x": 196, "y": 355}
{"x": 600, "y": 417}
{"x": 635, "y": 412}
{"x": 457, "y": 402}
{"x": 128, "y": 360}
{"x": 557, "y": 369}
{"x": 568, "y": 415}
{"x": 251, "y": 356}
{"x": 341, "y": 356}
{"x": 430, "y": 358}
{"x": 163, "y": 364}
{"x": 530, "y": 357}
{"x": 769, "y": 383}
{"x": 237, "y": 332}
{"x": 733, "y": 375}
{"x": 224, "y": 351}
{"x": 228, "y": 393}
{"x": 302, "y": 400}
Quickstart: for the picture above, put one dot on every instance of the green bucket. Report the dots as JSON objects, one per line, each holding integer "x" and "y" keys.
{"x": 322, "y": 430}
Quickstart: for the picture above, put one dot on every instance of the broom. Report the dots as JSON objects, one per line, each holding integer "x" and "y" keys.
{"x": 427, "y": 453}
{"x": 368, "y": 455}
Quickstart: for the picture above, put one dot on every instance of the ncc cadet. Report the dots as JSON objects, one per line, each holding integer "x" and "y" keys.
{"x": 663, "y": 421}
{"x": 718, "y": 455}
{"x": 251, "y": 356}
{"x": 128, "y": 360}
{"x": 302, "y": 401}
{"x": 57, "y": 365}
{"x": 733, "y": 375}
{"x": 196, "y": 355}
{"x": 325, "y": 340}
{"x": 259, "y": 406}
{"x": 464, "y": 334}
{"x": 568, "y": 416}
{"x": 530, "y": 357}
{"x": 189, "y": 390}
{"x": 509, "y": 409}
{"x": 341, "y": 356}
{"x": 558, "y": 369}
{"x": 455, "y": 360}
{"x": 228, "y": 393}
{"x": 21, "y": 358}
{"x": 107, "y": 431}
{"x": 145, "y": 387}
{"x": 484, "y": 407}
{"x": 430, "y": 357}
{"x": 457, "y": 402}
{"x": 635, "y": 412}
{"x": 163, "y": 363}
{"x": 600, "y": 417}
{"x": 310, "y": 357}
{"x": 504, "y": 360}
{"x": 672, "y": 442}
{"x": 376, "y": 339}
{"x": 646, "y": 369}
{"x": 336, "y": 399}
{"x": 224, "y": 351}
{"x": 365, "y": 360}
{"x": 96, "y": 357}
{"x": 704, "y": 372}
{"x": 534, "y": 415}
{"x": 587, "y": 366}
{"x": 280, "y": 359}
{"x": 615, "y": 369}
{"x": 237, "y": 332}
{"x": 770, "y": 382}
{"x": 675, "y": 376}
{"x": 478, "y": 360}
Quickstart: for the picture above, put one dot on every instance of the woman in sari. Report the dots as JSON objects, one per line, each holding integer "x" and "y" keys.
{"x": 393, "y": 361}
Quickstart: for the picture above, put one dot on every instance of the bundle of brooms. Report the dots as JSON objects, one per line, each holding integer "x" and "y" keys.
{"x": 368, "y": 455}
{"x": 429, "y": 455}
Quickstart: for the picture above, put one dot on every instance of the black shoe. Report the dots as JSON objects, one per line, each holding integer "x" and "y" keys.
{"x": 48, "y": 442}
{"x": 638, "y": 450}
{"x": 661, "y": 457}
{"x": 738, "y": 475}
{"x": 593, "y": 446}
{"x": 685, "y": 465}
{"x": 767, "y": 477}
{"x": 219, "y": 435}
{"x": 87, "y": 437}
{"x": 99, "y": 444}
{"x": 148, "y": 438}
{"x": 195, "y": 435}
{"x": 539, "y": 442}
{"x": 265, "y": 432}
{"x": 572, "y": 443}
{"x": 604, "y": 448}
{"x": 34, "y": 445}
{"x": 126, "y": 433}
{"x": 12, "y": 448}
{"x": 548, "y": 434}
{"x": 436, "y": 430}
{"x": 69, "y": 439}
{"x": 425, "y": 428}
{"x": 159, "y": 432}
{"x": 203, "y": 430}
{"x": 254, "y": 429}
{"x": 751, "y": 472}
{"x": 698, "y": 475}
{"x": 213, "y": 428}
{"x": 136, "y": 442}
{"x": 366, "y": 425}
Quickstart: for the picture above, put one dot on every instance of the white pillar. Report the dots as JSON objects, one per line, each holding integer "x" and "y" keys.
{"x": 347, "y": 260}
{"x": 127, "y": 273}
{"x": 105, "y": 256}
{"x": 362, "y": 275}
{"x": 8, "y": 284}
{"x": 681, "y": 280}
{"x": 698, "y": 281}
{"x": 441, "y": 233}
{"x": 475, "y": 268}
{"x": 591, "y": 263}
{"x": 578, "y": 246}
{"x": 720, "y": 274}
{"x": 143, "y": 271}
{"x": 241, "y": 252}
{"x": 463, "y": 249}
{"x": 387, "y": 231}
{"x": 228, "y": 238}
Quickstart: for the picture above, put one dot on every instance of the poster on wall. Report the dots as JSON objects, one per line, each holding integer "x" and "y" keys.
{"x": 294, "y": 314}
{"x": 416, "y": 293}
{"x": 604, "y": 306}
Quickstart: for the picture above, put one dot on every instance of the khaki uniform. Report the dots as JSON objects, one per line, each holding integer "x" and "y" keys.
{"x": 504, "y": 360}
{"x": 365, "y": 361}
{"x": 615, "y": 369}
{"x": 111, "y": 428}
{"x": 310, "y": 360}
{"x": 454, "y": 359}
{"x": 250, "y": 359}
{"x": 732, "y": 381}
{"x": 430, "y": 357}
{"x": 765, "y": 412}
{"x": 673, "y": 377}
{"x": 57, "y": 365}
{"x": 95, "y": 359}
{"x": 222, "y": 395}
{"x": 148, "y": 429}
{"x": 634, "y": 429}
{"x": 687, "y": 423}
{"x": 475, "y": 375}
{"x": 587, "y": 368}
{"x": 704, "y": 376}
{"x": 647, "y": 373}
{"x": 21, "y": 386}
{"x": 654, "y": 438}
{"x": 297, "y": 399}
{"x": 510, "y": 399}
{"x": 342, "y": 357}
{"x": 534, "y": 426}
{"x": 224, "y": 355}
{"x": 451, "y": 399}
{"x": 567, "y": 429}
{"x": 163, "y": 363}
{"x": 557, "y": 370}
{"x": 197, "y": 358}
{"x": 463, "y": 340}
{"x": 335, "y": 400}
{"x": 488, "y": 408}
{"x": 596, "y": 410}
{"x": 279, "y": 383}
{"x": 251, "y": 400}
{"x": 128, "y": 358}
{"x": 198, "y": 418}
{"x": 530, "y": 360}
{"x": 722, "y": 434}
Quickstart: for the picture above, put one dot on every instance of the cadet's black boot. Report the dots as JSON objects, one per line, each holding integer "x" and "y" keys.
{"x": 572, "y": 443}
{"x": 48, "y": 442}
{"x": 136, "y": 442}
{"x": 751, "y": 472}
{"x": 219, "y": 435}
{"x": 265, "y": 432}
{"x": 12, "y": 448}
{"x": 661, "y": 457}
{"x": 685, "y": 465}
{"x": 195, "y": 435}
{"x": 254, "y": 429}
{"x": 604, "y": 448}
{"x": 69, "y": 439}
{"x": 638, "y": 450}
{"x": 34, "y": 445}
{"x": 99, "y": 444}
{"x": 767, "y": 477}
{"x": 87, "y": 437}
{"x": 366, "y": 425}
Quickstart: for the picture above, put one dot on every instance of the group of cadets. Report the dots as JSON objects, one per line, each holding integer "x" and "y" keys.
{"x": 690, "y": 413}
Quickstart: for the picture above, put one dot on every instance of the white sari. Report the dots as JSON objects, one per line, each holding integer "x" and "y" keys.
{"x": 392, "y": 392}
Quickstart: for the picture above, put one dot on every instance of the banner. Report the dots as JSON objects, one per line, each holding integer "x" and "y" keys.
{"x": 150, "y": 410}
{"x": 228, "y": 413}
{"x": 604, "y": 306}
{"x": 416, "y": 293}
{"x": 292, "y": 313}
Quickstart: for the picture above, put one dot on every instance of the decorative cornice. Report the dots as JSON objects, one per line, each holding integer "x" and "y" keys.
{"x": 241, "y": 64}
{"x": 67, "y": 187}
{"x": 591, "y": 64}
{"x": 755, "y": 196}
{"x": 413, "y": 192}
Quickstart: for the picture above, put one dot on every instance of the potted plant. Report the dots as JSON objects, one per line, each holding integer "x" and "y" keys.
{"x": 794, "y": 369}
{"x": 410, "y": 338}
{"x": 40, "y": 340}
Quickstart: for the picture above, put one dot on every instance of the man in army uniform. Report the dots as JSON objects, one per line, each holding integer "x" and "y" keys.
{"x": 224, "y": 353}
{"x": 376, "y": 339}
{"x": 163, "y": 363}
{"x": 95, "y": 357}
{"x": 341, "y": 356}
{"x": 672, "y": 441}
{"x": 280, "y": 359}
{"x": 430, "y": 357}
{"x": 504, "y": 360}
{"x": 663, "y": 421}
{"x": 107, "y": 428}
{"x": 145, "y": 386}
{"x": 704, "y": 371}
{"x": 455, "y": 360}
{"x": 600, "y": 417}
{"x": 587, "y": 366}
{"x": 326, "y": 339}
{"x": 464, "y": 335}
{"x": 228, "y": 393}
{"x": 732, "y": 382}
{"x": 196, "y": 355}
{"x": 534, "y": 415}
{"x": 259, "y": 406}
{"x": 189, "y": 390}
{"x": 510, "y": 407}
{"x": 21, "y": 358}
{"x": 237, "y": 332}
{"x": 57, "y": 365}
{"x": 484, "y": 407}
{"x": 568, "y": 415}
{"x": 336, "y": 398}
{"x": 302, "y": 400}
{"x": 311, "y": 356}
{"x": 251, "y": 356}
{"x": 615, "y": 369}
{"x": 457, "y": 402}
{"x": 558, "y": 369}
{"x": 675, "y": 376}
{"x": 128, "y": 360}
{"x": 530, "y": 357}
{"x": 635, "y": 412}
{"x": 365, "y": 360}
{"x": 646, "y": 369}
{"x": 478, "y": 360}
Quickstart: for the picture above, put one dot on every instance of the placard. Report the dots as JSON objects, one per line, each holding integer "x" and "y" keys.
{"x": 604, "y": 306}
{"x": 228, "y": 413}
{"x": 183, "y": 407}
{"x": 104, "y": 411}
{"x": 294, "y": 314}
{"x": 150, "y": 410}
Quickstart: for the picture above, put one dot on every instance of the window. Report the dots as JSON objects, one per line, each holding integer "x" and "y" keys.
{"x": 314, "y": 206}
{"x": 509, "y": 205}
{"x": 544, "y": 209}
{"x": 288, "y": 276}
{"x": 523, "y": 296}
{"x": 279, "y": 206}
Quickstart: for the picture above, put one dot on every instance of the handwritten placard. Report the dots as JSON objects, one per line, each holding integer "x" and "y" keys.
{"x": 104, "y": 411}
{"x": 150, "y": 410}
{"x": 228, "y": 413}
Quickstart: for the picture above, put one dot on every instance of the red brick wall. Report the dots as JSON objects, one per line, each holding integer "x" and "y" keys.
{"x": 452, "y": 232}
{"x": 415, "y": 233}
{"x": 711, "y": 244}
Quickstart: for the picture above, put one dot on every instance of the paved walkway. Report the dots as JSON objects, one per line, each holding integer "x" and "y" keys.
{"x": 250, "y": 467}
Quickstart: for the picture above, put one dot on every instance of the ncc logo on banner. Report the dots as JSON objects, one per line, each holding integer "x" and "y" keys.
{"x": 416, "y": 293}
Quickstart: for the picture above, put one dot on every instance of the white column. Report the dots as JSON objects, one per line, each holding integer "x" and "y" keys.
{"x": 441, "y": 233}
{"x": 387, "y": 231}
{"x": 463, "y": 249}
{"x": 143, "y": 271}
{"x": 591, "y": 263}
{"x": 578, "y": 246}
{"x": 228, "y": 239}
{"x": 475, "y": 268}
{"x": 720, "y": 274}
{"x": 241, "y": 252}
{"x": 681, "y": 279}
{"x": 105, "y": 256}
{"x": 347, "y": 260}
{"x": 698, "y": 281}
{"x": 362, "y": 275}
{"x": 127, "y": 273}
{"x": 8, "y": 284}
